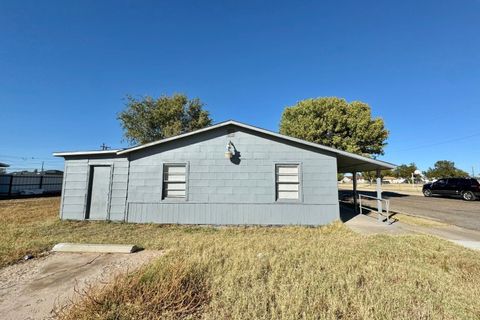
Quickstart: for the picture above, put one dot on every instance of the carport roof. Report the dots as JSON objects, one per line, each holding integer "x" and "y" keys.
{"x": 346, "y": 161}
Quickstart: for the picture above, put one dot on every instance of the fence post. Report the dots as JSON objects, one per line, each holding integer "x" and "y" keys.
{"x": 10, "y": 185}
{"x": 41, "y": 182}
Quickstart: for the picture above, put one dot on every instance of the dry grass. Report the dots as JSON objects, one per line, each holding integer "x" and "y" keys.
{"x": 272, "y": 273}
{"x": 31, "y": 226}
{"x": 171, "y": 289}
{"x": 418, "y": 221}
{"x": 393, "y": 187}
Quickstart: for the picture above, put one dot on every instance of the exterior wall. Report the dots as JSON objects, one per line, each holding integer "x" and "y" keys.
{"x": 219, "y": 190}
{"x": 75, "y": 187}
{"x": 242, "y": 191}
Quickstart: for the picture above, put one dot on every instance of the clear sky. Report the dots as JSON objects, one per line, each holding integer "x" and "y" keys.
{"x": 66, "y": 66}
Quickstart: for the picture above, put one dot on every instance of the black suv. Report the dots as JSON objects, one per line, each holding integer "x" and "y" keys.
{"x": 468, "y": 188}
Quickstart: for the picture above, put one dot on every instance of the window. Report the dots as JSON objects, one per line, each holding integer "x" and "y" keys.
{"x": 174, "y": 182}
{"x": 287, "y": 182}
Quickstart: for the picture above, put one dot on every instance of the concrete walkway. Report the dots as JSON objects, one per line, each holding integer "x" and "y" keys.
{"x": 369, "y": 225}
{"x": 364, "y": 224}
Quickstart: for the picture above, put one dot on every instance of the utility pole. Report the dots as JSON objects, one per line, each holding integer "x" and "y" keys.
{"x": 41, "y": 171}
{"x": 104, "y": 146}
{"x": 473, "y": 172}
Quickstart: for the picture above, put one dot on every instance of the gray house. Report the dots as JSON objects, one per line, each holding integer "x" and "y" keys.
{"x": 228, "y": 173}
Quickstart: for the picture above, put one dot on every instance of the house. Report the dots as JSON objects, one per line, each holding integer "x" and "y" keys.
{"x": 388, "y": 179}
{"x": 399, "y": 180}
{"x": 53, "y": 172}
{"x": 349, "y": 179}
{"x": 228, "y": 173}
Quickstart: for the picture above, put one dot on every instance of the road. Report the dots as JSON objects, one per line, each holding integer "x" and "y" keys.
{"x": 458, "y": 212}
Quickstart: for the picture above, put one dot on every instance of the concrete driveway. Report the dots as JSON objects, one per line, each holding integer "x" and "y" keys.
{"x": 453, "y": 211}
{"x": 31, "y": 290}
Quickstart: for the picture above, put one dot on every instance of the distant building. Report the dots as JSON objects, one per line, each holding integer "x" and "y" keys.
{"x": 49, "y": 172}
{"x": 3, "y": 167}
{"x": 349, "y": 179}
{"x": 36, "y": 172}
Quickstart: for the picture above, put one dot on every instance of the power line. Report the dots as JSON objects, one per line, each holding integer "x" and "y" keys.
{"x": 25, "y": 157}
{"x": 29, "y": 159}
{"x": 442, "y": 142}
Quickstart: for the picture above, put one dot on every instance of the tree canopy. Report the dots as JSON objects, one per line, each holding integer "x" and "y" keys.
{"x": 405, "y": 171}
{"x": 336, "y": 123}
{"x": 148, "y": 119}
{"x": 445, "y": 169}
{"x": 372, "y": 175}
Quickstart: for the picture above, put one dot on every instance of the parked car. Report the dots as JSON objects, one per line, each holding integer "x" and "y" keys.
{"x": 467, "y": 188}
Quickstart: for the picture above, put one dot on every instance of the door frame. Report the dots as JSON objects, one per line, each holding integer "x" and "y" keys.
{"x": 88, "y": 195}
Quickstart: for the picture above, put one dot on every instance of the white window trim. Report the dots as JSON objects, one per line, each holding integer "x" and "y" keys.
{"x": 300, "y": 182}
{"x": 175, "y": 199}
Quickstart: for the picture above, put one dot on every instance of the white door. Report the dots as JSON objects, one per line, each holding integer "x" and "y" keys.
{"x": 99, "y": 192}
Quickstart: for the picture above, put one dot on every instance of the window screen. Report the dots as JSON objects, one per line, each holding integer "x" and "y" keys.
{"x": 287, "y": 182}
{"x": 174, "y": 182}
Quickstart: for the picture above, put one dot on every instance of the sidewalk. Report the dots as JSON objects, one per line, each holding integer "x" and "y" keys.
{"x": 368, "y": 225}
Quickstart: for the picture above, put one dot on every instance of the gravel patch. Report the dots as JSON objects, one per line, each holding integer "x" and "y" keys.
{"x": 32, "y": 289}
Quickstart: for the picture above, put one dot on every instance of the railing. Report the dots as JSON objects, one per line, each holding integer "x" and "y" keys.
{"x": 379, "y": 207}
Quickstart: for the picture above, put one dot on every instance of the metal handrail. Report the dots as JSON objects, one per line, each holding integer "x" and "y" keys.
{"x": 380, "y": 214}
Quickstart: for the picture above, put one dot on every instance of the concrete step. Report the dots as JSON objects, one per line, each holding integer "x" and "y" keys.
{"x": 100, "y": 248}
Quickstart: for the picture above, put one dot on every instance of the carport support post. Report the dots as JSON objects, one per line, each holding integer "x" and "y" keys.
{"x": 354, "y": 175}
{"x": 379, "y": 195}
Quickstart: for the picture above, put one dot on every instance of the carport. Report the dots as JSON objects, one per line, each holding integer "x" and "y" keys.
{"x": 348, "y": 163}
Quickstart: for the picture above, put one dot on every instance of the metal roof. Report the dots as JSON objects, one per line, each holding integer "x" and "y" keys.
{"x": 347, "y": 162}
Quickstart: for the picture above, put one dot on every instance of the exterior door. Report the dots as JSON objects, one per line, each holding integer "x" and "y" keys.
{"x": 453, "y": 187}
{"x": 440, "y": 186}
{"x": 99, "y": 190}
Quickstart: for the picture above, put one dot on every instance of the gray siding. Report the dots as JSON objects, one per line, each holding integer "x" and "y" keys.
{"x": 219, "y": 191}
{"x": 74, "y": 193}
{"x": 227, "y": 213}
{"x": 222, "y": 192}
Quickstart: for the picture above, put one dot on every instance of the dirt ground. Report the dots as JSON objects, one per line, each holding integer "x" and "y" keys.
{"x": 31, "y": 290}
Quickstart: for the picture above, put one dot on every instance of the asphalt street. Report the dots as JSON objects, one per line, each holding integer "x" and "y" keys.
{"x": 454, "y": 211}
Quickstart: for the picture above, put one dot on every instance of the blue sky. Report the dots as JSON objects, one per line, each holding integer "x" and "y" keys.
{"x": 66, "y": 66}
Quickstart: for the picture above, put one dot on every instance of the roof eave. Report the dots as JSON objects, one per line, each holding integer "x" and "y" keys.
{"x": 380, "y": 164}
{"x": 84, "y": 153}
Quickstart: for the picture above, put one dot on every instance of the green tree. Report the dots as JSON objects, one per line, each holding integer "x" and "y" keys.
{"x": 405, "y": 171}
{"x": 370, "y": 176}
{"x": 445, "y": 169}
{"x": 148, "y": 119}
{"x": 336, "y": 123}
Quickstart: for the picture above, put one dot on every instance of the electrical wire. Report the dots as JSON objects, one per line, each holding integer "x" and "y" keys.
{"x": 441, "y": 142}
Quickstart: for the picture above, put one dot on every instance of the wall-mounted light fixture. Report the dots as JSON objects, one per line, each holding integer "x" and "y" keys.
{"x": 230, "y": 151}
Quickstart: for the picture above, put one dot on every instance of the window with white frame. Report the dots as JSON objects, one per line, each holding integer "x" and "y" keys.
{"x": 174, "y": 181}
{"x": 287, "y": 181}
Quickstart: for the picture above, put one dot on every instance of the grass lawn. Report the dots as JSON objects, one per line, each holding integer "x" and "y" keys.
{"x": 259, "y": 273}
